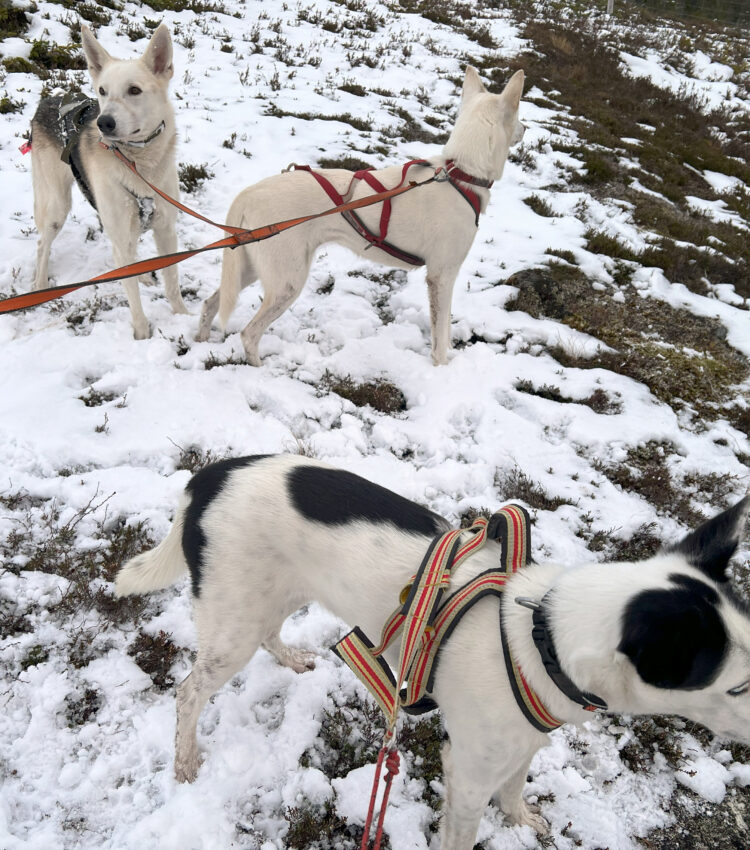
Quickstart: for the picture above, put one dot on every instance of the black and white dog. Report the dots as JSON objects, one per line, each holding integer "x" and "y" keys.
{"x": 263, "y": 535}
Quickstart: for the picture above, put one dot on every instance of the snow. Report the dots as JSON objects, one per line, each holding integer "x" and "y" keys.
{"x": 108, "y": 783}
{"x": 709, "y": 81}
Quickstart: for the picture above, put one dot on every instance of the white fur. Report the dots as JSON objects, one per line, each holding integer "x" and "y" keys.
{"x": 263, "y": 560}
{"x": 433, "y": 222}
{"x": 113, "y": 185}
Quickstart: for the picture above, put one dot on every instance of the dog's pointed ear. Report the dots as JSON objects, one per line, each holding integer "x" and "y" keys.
{"x": 158, "y": 55}
{"x": 472, "y": 86}
{"x": 513, "y": 90}
{"x": 96, "y": 56}
{"x": 711, "y": 545}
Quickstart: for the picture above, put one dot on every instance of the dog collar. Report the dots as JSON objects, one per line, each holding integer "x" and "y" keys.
{"x": 455, "y": 172}
{"x": 143, "y": 142}
{"x": 139, "y": 144}
{"x": 542, "y": 635}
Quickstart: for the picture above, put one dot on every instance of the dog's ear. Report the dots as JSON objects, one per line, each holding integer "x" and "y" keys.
{"x": 472, "y": 86}
{"x": 675, "y": 637}
{"x": 158, "y": 55}
{"x": 96, "y": 56}
{"x": 712, "y": 544}
{"x": 513, "y": 90}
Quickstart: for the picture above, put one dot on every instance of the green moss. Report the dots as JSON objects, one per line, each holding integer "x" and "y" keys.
{"x": 8, "y": 105}
{"x": 539, "y": 205}
{"x": 19, "y": 65}
{"x": 51, "y": 56}
{"x": 13, "y": 20}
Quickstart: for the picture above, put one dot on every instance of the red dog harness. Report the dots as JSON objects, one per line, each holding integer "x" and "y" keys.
{"x": 453, "y": 176}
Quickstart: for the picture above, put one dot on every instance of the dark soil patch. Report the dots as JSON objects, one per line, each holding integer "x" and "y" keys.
{"x": 155, "y": 655}
{"x": 516, "y": 484}
{"x": 606, "y": 105}
{"x": 193, "y": 176}
{"x": 380, "y": 394}
{"x": 681, "y": 357}
{"x": 646, "y": 472}
{"x": 598, "y": 401}
{"x": 350, "y": 163}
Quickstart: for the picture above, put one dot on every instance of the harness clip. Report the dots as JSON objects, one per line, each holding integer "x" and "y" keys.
{"x": 528, "y": 602}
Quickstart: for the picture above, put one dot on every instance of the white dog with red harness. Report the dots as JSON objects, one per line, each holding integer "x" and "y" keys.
{"x": 433, "y": 225}
{"x": 261, "y": 536}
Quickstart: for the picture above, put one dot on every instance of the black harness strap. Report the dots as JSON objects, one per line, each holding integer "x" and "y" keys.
{"x": 76, "y": 111}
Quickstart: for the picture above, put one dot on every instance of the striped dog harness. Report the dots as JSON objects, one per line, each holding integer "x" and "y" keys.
{"x": 427, "y": 621}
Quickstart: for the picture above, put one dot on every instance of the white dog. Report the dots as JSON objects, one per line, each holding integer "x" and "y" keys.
{"x": 134, "y": 113}
{"x": 263, "y": 535}
{"x": 433, "y": 225}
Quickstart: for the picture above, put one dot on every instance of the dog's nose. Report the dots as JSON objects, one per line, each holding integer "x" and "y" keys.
{"x": 107, "y": 124}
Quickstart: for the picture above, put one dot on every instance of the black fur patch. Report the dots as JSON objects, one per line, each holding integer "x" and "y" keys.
{"x": 675, "y": 637}
{"x": 47, "y": 119}
{"x": 336, "y": 497}
{"x": 204, "y": 486}
{"x": 712, "y": 544}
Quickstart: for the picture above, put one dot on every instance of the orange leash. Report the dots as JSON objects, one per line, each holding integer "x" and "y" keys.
{"x": 239, "y": 236}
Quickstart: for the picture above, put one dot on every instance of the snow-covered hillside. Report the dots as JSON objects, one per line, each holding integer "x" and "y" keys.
{"x": 601, "y": 333}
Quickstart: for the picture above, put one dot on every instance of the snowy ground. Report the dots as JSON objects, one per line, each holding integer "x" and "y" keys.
{"x": 108, "y": 782}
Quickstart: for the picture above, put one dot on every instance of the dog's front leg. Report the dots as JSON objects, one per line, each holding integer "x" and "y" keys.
{"x": 510, "y": 800}
{"x": 440, "y": 292}
{"x": 468, "y": 789}
{"x": 121, "y": 224}
{"x": 165, "y": 238}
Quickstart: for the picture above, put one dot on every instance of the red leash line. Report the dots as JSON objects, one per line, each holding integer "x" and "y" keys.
{"x": 239, "y": 236}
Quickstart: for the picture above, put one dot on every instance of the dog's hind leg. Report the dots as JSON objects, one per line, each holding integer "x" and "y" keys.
{"x": 236, "y": 274}
{"x": 219, "y": 658}
{"x": 298, "y": 660}
{"x": 52, "y": 181}
{"x": 440, "y": 292}
{"x": 279, "y": 294}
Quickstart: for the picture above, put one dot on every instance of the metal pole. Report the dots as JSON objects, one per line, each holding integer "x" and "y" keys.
{"x": 610, "y": 6}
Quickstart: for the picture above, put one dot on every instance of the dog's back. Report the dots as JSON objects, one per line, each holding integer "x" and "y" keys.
{"x": 233, "y": 513}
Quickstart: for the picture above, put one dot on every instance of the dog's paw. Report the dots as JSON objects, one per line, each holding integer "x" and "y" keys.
{"x": 527, "y": 814}
{"x": 186, "y": 770}
{"x": 298, "y": 660}
{"x": 142, "y": 330}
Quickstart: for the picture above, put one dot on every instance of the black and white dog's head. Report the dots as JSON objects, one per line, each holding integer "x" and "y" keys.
{"x": 687, "y": 637}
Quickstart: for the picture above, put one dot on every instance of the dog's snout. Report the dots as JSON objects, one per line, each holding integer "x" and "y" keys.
{"x": 106, "y": 123}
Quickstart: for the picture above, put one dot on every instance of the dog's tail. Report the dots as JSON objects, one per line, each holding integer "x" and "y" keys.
{"x": 158, "y": 568}
{"x": 231, "y": 283}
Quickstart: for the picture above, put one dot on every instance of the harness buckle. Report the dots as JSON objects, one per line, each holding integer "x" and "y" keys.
{"x": 528, "y": 602}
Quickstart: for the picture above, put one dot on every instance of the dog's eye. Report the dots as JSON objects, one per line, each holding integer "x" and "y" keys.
{"x": 134, "y": 90}
{"x": 739, "y": 690}
{"x": 101, "y": 91}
